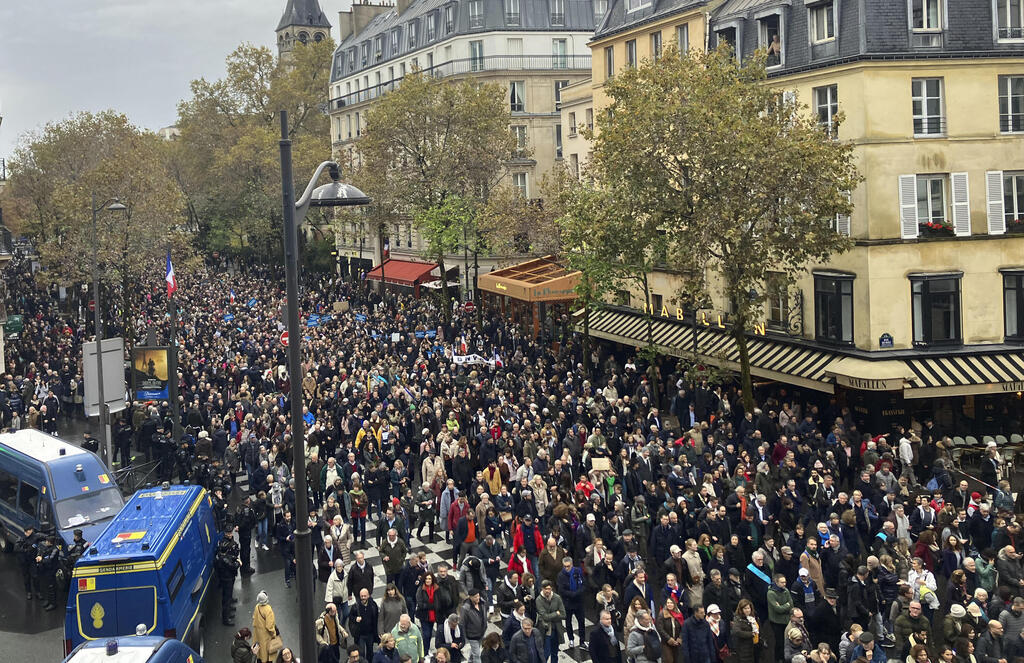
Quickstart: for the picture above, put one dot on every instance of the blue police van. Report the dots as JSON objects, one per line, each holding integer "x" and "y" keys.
{"x": 151, "y": 566}
{"x": 134, "y": 649}
{"x": 52, "y": 485}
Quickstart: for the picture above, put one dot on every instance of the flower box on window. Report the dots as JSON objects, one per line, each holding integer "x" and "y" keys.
{"x": 1015, "y": 226}
{"x": 936, "y": 229}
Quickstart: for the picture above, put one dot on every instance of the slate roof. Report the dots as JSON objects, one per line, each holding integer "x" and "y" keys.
{"x": 305, "y": 13}
{"x": 617, "y": 19}
{"x": 534, "y": 15}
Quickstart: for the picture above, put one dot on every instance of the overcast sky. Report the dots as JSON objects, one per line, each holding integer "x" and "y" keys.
{"x": 135, "y": 56}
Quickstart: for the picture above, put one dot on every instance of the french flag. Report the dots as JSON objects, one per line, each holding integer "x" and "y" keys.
{"x": 172, "y": 283}
{"x": 497, "y": 359}
{"x": 232, "y": 296}
{"x": 463, "y": 348}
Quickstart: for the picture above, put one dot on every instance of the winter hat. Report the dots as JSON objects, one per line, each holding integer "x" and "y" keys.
{"x": 957, "y": 611}
{"x": 262, "y": 598}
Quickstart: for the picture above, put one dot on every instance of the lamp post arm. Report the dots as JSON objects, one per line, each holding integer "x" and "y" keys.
{"x": 302, "y": 204}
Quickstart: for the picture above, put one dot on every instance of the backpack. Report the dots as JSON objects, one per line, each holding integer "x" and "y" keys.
{"x": 933, "y": 484}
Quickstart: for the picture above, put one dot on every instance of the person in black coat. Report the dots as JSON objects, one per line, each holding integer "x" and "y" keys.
{"x": 823, "y": 621}
{"x": 604, "y": 645}
{"x": 698, "y": 642}
{"x": 362, "y": 623}
{"x": 360, "y": 575}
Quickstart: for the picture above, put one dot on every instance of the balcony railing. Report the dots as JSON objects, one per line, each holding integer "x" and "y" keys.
{"x": 1011, "y": 33}
{"x": 476, "y": 20}
{"x": 472, "y": 65}
{"x": 511, "y": 18}
{"x": 929, "y": 126}
{"x": 557, "y": 19}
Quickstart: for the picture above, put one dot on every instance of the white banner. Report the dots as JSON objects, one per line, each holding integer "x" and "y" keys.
{"x": 471, "y": 359}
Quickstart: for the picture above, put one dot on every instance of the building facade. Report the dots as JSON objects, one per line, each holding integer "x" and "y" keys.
{"x": 531, "y": 48}
{"x": 925, "y": 315}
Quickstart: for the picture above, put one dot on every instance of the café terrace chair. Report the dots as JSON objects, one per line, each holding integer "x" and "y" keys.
{"x": 959, "y": 441}
{"x": 1001, "y": 440}
{"x": 972, "y": 441}
{"x": 1016, "y": 439}
{"x": 988, "y": 438}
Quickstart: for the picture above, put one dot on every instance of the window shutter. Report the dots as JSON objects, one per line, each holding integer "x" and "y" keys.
{"x": 908, "y": 207}
{"x": 994, "y": 193}
{"x": 961, "y": 205}
{"x": 843, "y": 221}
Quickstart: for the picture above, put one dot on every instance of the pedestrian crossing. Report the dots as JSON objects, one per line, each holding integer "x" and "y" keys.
{"x": 436, "y": 552}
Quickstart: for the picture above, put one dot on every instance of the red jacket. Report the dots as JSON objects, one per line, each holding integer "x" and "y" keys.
{"x": 455, "y": 511}
{"x": 517, "y": 539}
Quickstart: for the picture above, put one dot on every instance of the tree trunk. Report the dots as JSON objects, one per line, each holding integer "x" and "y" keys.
{"x": 649, "y": 317}
{"x": 586, "y": 338}
{"x": 446, "y": 305}
{"x": 740, "y": 336}
{"x": 476, "y": 280}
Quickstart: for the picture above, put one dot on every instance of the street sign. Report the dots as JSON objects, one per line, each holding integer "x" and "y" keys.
{"x": 284, "y": 338}
{"x": 113, "y": 376}
{"x": 469, "y": 307}
{"x": 92, "y": 304}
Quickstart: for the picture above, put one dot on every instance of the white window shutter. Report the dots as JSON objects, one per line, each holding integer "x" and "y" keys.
{"x": 908, "y": 207}
{"x": 843, "y": 221}
{"x": 994, "y": 193}
{"x": 961, "y": 204}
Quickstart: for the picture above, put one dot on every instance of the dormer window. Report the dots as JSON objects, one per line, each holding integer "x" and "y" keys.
{"x": 365, "y": 53}
{"x": 396, "y": 41}
{"x": 926, "y": 22}
{"x": 634, "y": 5}
{"x": 769, "y": 37}
{"x": 1010, "y": 19}
{"x": 476, "y": 13}
{"x": 352, "y": 59}
{"x": 378, "y": 47}
{"x": 412, "y": 34}
{"x": 557, "y": 13}
{"x": 431, "y": 26}
{"x": 449, "y": 19}
{"x": 511, "y": 12}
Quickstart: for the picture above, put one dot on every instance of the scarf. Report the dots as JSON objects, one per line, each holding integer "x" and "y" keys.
{"x": 430, "y": 590}
{"x": 611, "y": 636}
{"x": 449, "y": 634}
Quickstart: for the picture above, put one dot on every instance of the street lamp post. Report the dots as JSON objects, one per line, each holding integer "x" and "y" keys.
{"x": 335, "y": 194}
{"x": 112, "y": 205}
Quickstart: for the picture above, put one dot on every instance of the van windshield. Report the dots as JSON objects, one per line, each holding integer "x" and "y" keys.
{"x": 89, "y": 508}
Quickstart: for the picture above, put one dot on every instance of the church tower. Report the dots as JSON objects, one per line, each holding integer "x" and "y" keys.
{"x": 302, "y": 21}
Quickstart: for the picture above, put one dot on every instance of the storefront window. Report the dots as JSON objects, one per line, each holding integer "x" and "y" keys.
{"x": 936, "y": 309}
{"x": 1013, "y": 305}
{"x": 833, "y": 308}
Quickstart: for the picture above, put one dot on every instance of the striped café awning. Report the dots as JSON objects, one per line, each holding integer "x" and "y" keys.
{"x": 769, "y": 358}
{"x": 959, "y": 375}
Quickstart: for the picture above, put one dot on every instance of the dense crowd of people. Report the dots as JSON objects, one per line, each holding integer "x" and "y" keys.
{"x": 572, "y": 486}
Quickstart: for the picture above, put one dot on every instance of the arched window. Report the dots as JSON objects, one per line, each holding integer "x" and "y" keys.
{"x": 318, "y": 37}
{"x": 304, "y": 37}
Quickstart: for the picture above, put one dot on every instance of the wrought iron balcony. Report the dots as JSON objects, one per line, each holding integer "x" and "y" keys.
{"x": 464, "y": 66}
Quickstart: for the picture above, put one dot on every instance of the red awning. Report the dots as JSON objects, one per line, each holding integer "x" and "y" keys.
{"x": 402, "y": 272}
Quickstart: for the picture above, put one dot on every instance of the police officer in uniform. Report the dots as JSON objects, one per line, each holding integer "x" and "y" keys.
{"x": 47, "y": 561}
{"x": 26, "y": 551}
{"x": 77, "y": 549}
{"x": 226, "y": 565}
{"x": 123, "y": 442}
{"x": 90, "y": 443}
{"x": 183, "y": 456}
{"x": 164, "y": 449}
{"x": 245, "y": 520}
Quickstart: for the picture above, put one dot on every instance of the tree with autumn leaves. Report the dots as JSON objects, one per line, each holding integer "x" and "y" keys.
{"x": 54, "y": 176}
{"x": 701, "y": 165}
